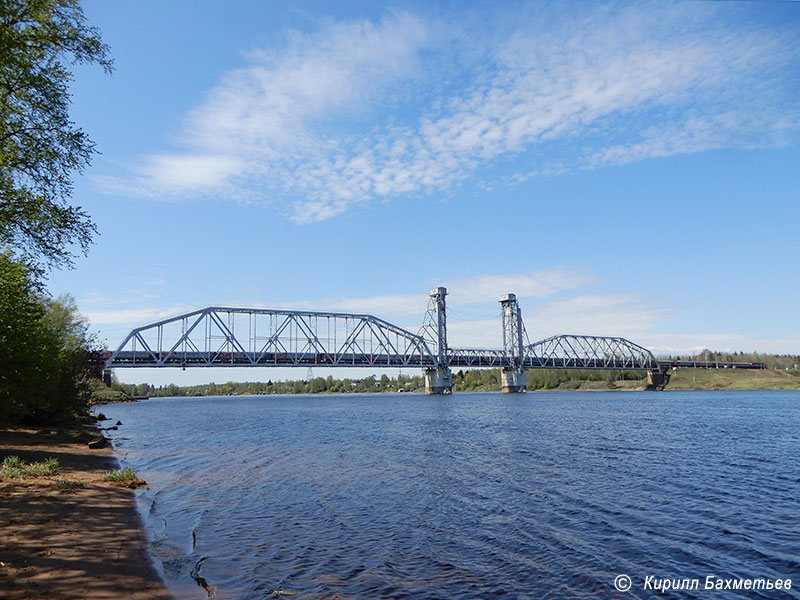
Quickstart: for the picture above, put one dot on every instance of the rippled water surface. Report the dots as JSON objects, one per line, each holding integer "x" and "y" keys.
{"x": 481, "y": 495}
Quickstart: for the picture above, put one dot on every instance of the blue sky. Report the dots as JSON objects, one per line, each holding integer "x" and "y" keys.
{"x": 625, "y": 168}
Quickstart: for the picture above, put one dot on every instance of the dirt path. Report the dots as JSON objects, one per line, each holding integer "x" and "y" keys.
{"x": 85, "y": 542}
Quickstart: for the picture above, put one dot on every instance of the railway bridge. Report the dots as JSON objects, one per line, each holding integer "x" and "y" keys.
{"x": 257, "y": 337}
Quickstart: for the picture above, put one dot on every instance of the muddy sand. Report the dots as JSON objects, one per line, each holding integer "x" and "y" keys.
{"x": 85, "y": 542}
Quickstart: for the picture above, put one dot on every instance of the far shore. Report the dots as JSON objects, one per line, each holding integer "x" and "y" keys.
{"x": 684, "y": 379}
{"x": 81, "y": 540}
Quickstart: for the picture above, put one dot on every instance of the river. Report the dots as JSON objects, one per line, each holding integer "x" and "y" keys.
{"x": 473, "y": 495}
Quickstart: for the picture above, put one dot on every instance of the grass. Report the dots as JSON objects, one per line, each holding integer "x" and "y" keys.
{"x": 732, "y": 379}
{"x": 13, "y": 467}
{"x": 65, "y": 485}
{"x": 123, "y": 477}
{"x": 13, "y": 462}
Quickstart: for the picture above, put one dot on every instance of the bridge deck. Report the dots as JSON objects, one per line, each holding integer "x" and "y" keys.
{"x": 456, "y": 359}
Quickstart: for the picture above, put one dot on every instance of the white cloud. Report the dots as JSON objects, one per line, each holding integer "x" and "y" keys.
{"x": 188, "y": 172}
{"x": 614, "y": 315}
{"x": 677, "y": 344}
{"x": 272, "y": 105}
{"x": 381, "y": 306}
{"x": 481, "y": 289}
{"x": 532, "y": 284}
{"x": 481, "y": 293}
{"x": 697, "y": 132}
{"x": 134, "y": 317}
{"x": 477, "y": 333}
{"x": 328, "y": 122}
{"x": 474, "y": 320}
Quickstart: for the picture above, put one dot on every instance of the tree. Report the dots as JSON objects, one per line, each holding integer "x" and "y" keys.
{"x": 20, "y": 337}
{"x": 384, "y": 382}
{"x": 44, "y": 351}
{"x": 316, "y": 385}
{"x": 40, "y": 148}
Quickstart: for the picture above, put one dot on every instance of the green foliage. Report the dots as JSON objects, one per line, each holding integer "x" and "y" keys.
{"x": 44, "y": 351}
{"x": 13, "y": 462}
{"x": 485, "y": 380}
{"x": 318, "y": 385}
{"x": 49, "y": 466}
{"x": 40, "y": 148}
{"x": 67, "y": 484}
{"x": 123, "y": 477}
{"x": 14, "y": 467}
{"x": 463, "y": 381}
{"x": 11, "y": 473}
{"x": 125, "y": 474}
{"x": 100, "y": 393}
{"x": 784, "y": 362}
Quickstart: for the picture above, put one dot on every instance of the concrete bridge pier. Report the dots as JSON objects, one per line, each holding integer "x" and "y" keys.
{"x": 107, "y": 377}
{"x": 438, "y": 380}
{"x": 657, "y": 380}
{"x": 513, "y": 380}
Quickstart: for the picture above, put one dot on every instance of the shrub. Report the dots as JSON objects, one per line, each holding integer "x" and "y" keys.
{"x": 45, "y": 350}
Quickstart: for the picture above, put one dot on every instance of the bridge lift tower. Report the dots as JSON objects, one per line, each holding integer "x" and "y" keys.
{"x": 438, "y": 379}
{"x": 512, "y": 377}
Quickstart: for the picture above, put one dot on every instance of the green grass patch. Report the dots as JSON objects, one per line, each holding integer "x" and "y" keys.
{"x": 732, "y": 379}
{"x": 48, "y": 466}
{"x": 11, "y": 473}
{"x": 13, "y": 462}
{"x": 65, "y": 485}
{"x": 14, "y": 467}
{"x": 123, "y": 477}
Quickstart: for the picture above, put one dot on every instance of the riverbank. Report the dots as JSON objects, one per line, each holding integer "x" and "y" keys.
{"x": 697, "y": 380}
{"x": 733, "y": 379}
{"x": 81, "y": 539}
{"x": 486, "y": 380}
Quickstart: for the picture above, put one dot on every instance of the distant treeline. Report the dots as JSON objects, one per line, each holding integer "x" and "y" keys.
{"x": 463, "y": 381}
{"x": 783, "y": 362}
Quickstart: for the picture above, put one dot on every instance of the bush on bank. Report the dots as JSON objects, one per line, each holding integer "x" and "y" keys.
{"x": 44, "y": 352}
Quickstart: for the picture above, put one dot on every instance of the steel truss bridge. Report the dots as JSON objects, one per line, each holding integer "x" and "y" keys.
{"x": 257, "y": 337}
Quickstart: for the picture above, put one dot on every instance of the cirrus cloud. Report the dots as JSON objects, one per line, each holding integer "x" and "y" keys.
{"x": 362, "y": 111}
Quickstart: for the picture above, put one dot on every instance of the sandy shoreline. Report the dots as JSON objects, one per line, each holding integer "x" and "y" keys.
{"x": 86, "y": 542}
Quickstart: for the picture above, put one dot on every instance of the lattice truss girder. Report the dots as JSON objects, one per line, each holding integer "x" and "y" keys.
{"x": 588, "y": 352}
{"x": 477, "y": 357}
{"x": 219, "y": 336}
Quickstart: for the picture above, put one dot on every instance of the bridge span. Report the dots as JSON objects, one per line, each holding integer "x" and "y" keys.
{"x": 257, "y": 337}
